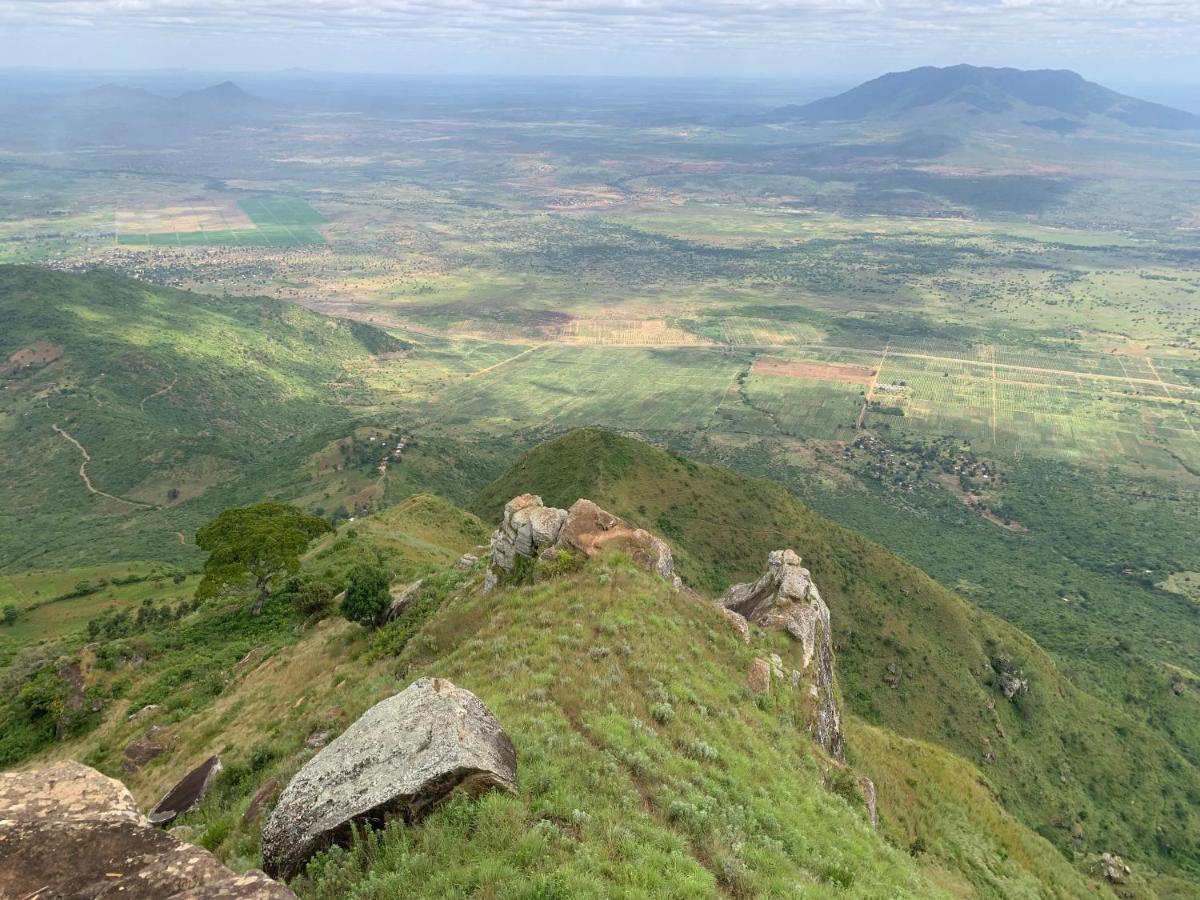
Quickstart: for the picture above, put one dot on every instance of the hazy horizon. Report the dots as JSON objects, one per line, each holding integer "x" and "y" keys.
{"x": 842, "y": 40}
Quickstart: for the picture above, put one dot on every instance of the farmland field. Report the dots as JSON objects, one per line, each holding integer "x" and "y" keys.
{"x": 252, "y": 222}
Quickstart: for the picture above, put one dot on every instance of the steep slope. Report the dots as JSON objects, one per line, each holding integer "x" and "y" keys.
{"x": 912, "y": 656}
{"x": 129, "y": 413}
{"x": 646, "y": 766}
{"x": 1053, "y": 99}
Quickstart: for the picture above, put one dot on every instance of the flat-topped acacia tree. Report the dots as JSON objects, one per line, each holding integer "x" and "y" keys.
{"x": 250, "y": 547}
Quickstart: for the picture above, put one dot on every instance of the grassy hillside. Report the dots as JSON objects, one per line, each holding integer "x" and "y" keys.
{"x": 913, "y": 657}
{"x": 175, "y": 404}
{"x": 646, "y": 767}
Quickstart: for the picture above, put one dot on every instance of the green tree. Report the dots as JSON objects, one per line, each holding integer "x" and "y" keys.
{"x": 10, "y": 615}
{"x": 250, "y": 547}
{"x": 367, "y": 594}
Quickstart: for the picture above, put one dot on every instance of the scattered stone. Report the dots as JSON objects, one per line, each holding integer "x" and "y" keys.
{"x": 870, "y": 800}
{"x": 777, "y": 666}
{"x": 249, "y": 660}
{"x": 402, "y": 599}
{"x": 531, "y": 529}
{"x": 759, "y": 679}
{"x": 401, "y": 759}
{"x": 1114, "y": 868}
{"x": 143, "y": 712}
{"x": 317, "y": 739}
{"x": 1177, "y": 688}
{"x": 786, "y": 598}
{"x": 892, "y": 677}
{"x": 71, "y": 832}
{"x": 467, "y": 561}
{"x": 187, "y": 793}
{"x": 1012, "y": 680}
{"x": 739, "y": 623}
{"x": 262, "y": 796}
{"x": 140, "y": 752}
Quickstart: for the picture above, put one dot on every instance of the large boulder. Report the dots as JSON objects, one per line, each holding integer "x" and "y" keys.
{"x": 530, "y": 529}
{"x": 401, "y": 759}
{"x": 68, "y": 831}
{"x": 786, "y": 599}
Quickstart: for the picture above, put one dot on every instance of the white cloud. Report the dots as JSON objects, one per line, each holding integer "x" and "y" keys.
{"x": 874, "y": 33}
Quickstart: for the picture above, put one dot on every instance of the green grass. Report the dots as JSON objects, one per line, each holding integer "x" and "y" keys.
{"x": 1063, "y": 752}
{"x": 646, "y": 766}
{"x": 184, "y": 404}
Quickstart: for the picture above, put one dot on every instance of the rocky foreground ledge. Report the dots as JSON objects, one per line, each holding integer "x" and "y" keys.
{"x": 67, "y": 831}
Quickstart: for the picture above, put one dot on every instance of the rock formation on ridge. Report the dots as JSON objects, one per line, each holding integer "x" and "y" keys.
{"x": 532, "y": 530}
{"x": 785, "y": 598}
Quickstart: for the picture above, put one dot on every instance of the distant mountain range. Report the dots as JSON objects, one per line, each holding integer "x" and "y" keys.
{"x": 113, "y": 113}
{"x": 1051, "y": 99}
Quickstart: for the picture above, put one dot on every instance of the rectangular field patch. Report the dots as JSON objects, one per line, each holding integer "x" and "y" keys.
{"x": 814, "y": 371}
{"x": 222, "y": 222}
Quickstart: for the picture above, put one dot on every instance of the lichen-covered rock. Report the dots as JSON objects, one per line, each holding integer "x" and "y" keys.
{"x": 530, "y": 529}
{"x": 189, "y": 791}
{"x": 402, "y": 758}
{"x": 759, "y": 679}
{"x": 739, "y": 623}
{"x": 1114, "y": 868}
{"x": 786, "y": 598}
{"x": 69, "y": 831}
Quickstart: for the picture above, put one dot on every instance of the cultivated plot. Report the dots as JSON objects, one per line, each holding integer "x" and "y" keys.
{"x": 273, "y": 221}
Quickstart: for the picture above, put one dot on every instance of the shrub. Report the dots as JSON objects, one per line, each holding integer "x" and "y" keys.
{"x": 314, "y": 599}
{"x": 662, "y": 713}
{"x": 366, "y": 594}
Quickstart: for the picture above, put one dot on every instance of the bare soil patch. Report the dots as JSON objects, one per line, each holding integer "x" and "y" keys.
{"x": 39, "y": 353}
{"x": 813, "y": 370}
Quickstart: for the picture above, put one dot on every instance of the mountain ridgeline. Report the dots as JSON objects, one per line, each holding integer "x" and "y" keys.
{"x": 661, "y": 751}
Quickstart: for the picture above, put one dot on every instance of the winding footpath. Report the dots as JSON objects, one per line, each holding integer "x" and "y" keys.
{"x": 87, "y": 482}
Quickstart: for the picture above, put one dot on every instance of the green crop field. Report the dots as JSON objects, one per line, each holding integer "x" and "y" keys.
{"x": 275, "y": 222}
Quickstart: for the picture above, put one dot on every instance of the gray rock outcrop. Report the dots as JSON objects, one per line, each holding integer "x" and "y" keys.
{"x": 68, "y": 831}
{"x": 402, "y": 599}
{"x": 785, "y": 598}
{"x": 533, "y": 530}
{"x": 402, "y": 758}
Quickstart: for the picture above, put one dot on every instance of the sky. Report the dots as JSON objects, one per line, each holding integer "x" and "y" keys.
{"x": 1125, "y": 40}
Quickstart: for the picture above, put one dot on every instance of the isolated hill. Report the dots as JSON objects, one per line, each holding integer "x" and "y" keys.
{"x": 224, "y": 99}
{"x": 1057, "y": 100}
{"x": 176, "y": 398}
{"x": 913, "y": 657}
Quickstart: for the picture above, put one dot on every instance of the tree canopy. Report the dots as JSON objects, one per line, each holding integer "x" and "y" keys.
{"x": 250, "y": 547}
{"x": 367, "y": 594}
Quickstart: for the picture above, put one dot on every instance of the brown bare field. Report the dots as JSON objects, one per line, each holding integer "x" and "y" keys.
{"x": 813, "y": 370}
{"x": 631, "y": 332}
{"x": 184, "y": 218}
{"x": 39, "y": 353}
